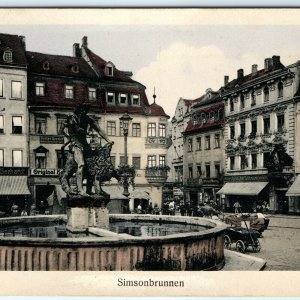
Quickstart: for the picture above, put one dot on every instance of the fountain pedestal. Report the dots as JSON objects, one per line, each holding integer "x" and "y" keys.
{"x": 87, "y": 211}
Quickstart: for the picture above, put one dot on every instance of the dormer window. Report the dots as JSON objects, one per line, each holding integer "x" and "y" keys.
{"x": 46, "y": 65}
{"x": 109, "y": 69}
{"x": 110, "y": 98}
{"x": 40, "y": 88}
{"x": 135, "y": 99}
{"x": 7, "y": 56}
{"x": 75, "y": 68}
{"x": 69, "y": 91}
{"x": 123, "y": 99}
{"x": 92, "y": 93}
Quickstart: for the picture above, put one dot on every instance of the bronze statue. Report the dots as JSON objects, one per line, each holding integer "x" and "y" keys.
{"x": 93, "y": 163}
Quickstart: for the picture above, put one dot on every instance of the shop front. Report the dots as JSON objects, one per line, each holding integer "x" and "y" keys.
{"x": 293, "y": 195}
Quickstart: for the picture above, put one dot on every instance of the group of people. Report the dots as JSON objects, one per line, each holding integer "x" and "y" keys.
{"x": 26, "y": 211}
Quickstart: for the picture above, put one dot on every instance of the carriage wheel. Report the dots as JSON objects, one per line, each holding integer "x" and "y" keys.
{"x": 240, "y": 246}
{"x": 227, "y": 242}
{"x": 256, "y": 246}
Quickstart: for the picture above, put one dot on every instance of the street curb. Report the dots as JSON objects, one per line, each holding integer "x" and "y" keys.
{"x": 236, "y": 261}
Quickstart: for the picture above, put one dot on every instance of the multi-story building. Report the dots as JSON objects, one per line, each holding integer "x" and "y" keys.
{"x": 260, "y": 135}
{"x": 13, "y": 122}
{"x": 57, "y": 84}
{"x": 203, "y": 156}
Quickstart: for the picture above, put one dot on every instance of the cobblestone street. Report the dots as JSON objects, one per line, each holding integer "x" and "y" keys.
{"x": 280, "y": 244}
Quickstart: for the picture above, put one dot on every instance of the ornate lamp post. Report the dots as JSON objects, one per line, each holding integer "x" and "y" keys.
{"x": 125, "y": 119}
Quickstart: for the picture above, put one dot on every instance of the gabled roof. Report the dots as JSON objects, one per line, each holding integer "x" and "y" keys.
{"x": 14, "y": 43}
{"x": 59, "y": 65}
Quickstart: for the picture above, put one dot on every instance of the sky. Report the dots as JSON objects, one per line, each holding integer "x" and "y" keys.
{"x": 178, "y": 60}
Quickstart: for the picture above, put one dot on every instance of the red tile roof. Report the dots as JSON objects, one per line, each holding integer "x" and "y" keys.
{"x": 191, "y": 128}
{"x": 157, "y": 110}
{"x": 13, "y": 42}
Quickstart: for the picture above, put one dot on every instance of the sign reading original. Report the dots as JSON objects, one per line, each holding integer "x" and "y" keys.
{"x": 45, "y": 172}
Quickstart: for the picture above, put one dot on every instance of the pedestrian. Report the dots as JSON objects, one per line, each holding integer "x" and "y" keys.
{"x": 139, "y": 209}
{"x": 182, "y": 209}
{"x": 172, "y": 208}
{"x": 150, "y": 208}
{"x": 14, "y": 210}
{"x": 24, "y": 213}
{"x": 156, "y": 209}
{"x": 237, "y": 207}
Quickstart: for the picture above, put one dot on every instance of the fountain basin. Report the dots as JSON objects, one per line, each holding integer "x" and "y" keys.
{"x": 106, "y": 250}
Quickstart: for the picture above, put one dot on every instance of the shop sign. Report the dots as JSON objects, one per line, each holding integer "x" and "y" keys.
{"x": 13, "y": 171}
{"x": 45, "y": 172}
{"x": 177, "y": 192}
{"x": 51, "y": 139}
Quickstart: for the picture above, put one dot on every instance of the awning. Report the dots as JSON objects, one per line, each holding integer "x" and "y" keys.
{"x": 294, "y": 190}
{"x": 139, "y": 194}
{"x": 115, "y": 192}
{"x": 242, "y": 188}
{"x": 14, "y": 185}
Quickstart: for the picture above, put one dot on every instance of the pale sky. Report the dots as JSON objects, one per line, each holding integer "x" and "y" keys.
{"x": 179, "y": 61}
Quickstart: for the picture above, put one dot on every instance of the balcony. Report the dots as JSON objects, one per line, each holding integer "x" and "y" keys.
{"x": 156, "y": 175}
{"x": 158, "y": 142}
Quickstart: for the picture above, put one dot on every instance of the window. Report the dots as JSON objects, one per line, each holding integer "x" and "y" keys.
{"x": 162, "y": 130}
{"x": 17, "y": 125}
{"x": 266, "y": 94}
{"x": 231, "y": 104}
{"x": 217, "y": 170}
{"x": 111, "y": 128}
{"x": 207, "y": 171}
{"x": 1, "y": 124}
{"x": 92, "y": 93}
{"x": 198, "y": 143}
{"x": 231, "y": 132}
{"x": 7, "y": 56}
{"x": 17, "y": 158}
{"x": 243, "y": 162}
{"x": 40, "y": 89}
{"x": 162, "y": 160}
{"x": 16, "y": 89}
{"x": 231, "y": 162}
{"x": 217, "y": 141}
{"x": 207, "y": 142}
{"x": 253, "y": 128}
{"x": 136, "y": 129}
{"x": 60, "y": 160}
{"x": 266, "y": 157}
{"x": 151, "y": 129}
{"x": 121, "y": 129}
{"x": 280, "y": 123}
{"x": 110, "y": 98}
{"x": 266, "y": 125}
{"x": 242, "y": 98}
{"x": 253, "y": 98}
{"x": 69, "y": 92}
{"x": 190, "y": 145}
{"x": 280, "y": 89}
{"x": 1, "y": 157}
{"x": 122, "y": 161}
{"x": 61, "y": 125}
{"x": 135, "y": 100}
{"x": 40, "y": 125}
{"x": 136, "y": 162}
{"x": 1, "y": 87}
{"x": 243, "y": 130}
{"x": 123, "y": 99}
{"x": 151, "y": 161}
{"x": 199, "y": 171}
{"x": 40, "y": 160}
{"x": 190, "y": 172}
{"x": 46, "y": 65}
{"x": 254, "y": 161}
{"x": 109, "y": 70}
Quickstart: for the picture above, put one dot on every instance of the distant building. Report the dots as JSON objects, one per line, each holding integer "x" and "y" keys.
{"x": 260, "y": 136}
{"x": 203, "y": 155}
{"x": 13, "y": 123}
{"x": 57, "y": 84}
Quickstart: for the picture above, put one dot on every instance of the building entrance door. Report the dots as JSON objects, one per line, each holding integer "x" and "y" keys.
{"x": 283, "y": 203}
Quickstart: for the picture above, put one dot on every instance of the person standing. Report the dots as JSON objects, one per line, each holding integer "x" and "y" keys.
{"x": 237, "y": 207}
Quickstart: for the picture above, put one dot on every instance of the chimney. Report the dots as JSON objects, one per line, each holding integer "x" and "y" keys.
{"x": 268, "y": 64}
{"x": 23, "y": 41}
{"x": 276, "y": 61}
{"x": 240, "y": 73}
{"x": 76, "y": 50}
{"x": 85, "y": 41}
{"x": 226, "y": 79}
{"x": 254, "y": 69}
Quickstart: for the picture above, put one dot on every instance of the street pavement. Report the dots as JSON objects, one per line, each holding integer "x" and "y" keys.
{"x": 280, "y": 244}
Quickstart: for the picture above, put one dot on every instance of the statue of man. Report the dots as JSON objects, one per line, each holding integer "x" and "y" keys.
{"x": 78, "y": 125}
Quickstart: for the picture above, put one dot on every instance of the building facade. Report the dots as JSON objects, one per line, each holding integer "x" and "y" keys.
{"x": 260, "y": 136}
{"x": 203, "y": 158}
{"x": 57, "y": 84}
{"x": 13, "y": 123}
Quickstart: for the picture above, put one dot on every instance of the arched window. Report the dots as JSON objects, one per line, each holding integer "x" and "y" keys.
{"x": 266, "y": 94}
{"x": 280, "y": 89}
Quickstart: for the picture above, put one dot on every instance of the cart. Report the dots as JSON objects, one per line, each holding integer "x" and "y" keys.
{"x": 242, "y": 238}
